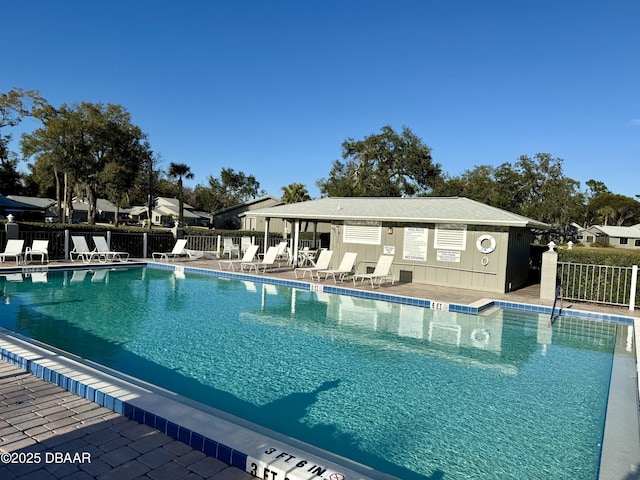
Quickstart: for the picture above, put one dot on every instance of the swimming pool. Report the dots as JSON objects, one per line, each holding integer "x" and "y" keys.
{"x": 412, "y": 392}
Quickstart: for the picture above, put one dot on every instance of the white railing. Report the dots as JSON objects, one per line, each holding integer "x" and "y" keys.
{"x": 603, "y": 284}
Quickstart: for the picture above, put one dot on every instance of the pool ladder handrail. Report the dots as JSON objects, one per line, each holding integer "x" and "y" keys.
{"x": 553, "y": 309}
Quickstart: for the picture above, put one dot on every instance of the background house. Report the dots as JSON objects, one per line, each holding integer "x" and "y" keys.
{"x": 612, "y": 236}
{"x": 239, "y": 217}
{"x": 21, "y": 210}
{"x": 48, "y": 205}
{"x": 443, "y": 241}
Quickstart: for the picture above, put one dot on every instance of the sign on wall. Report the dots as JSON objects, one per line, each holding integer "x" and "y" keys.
{"x": 415, "y": 244}
{"x": 448, "y": 256}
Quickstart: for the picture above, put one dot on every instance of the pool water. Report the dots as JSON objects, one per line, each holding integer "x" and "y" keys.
{"x": 412, "y": 392}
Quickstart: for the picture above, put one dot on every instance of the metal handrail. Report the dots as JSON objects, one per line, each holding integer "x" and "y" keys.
{"x": 553, "y": 309}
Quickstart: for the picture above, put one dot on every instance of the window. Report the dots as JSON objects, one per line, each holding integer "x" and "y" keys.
{"x": 367, "y": 234}
{"x": 624, "y": 241}
{"x": 637, "y": 244}
{"x": 451, "y": 237}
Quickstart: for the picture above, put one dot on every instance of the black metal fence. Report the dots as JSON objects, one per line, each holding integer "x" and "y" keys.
{"x": 140, "y": 244}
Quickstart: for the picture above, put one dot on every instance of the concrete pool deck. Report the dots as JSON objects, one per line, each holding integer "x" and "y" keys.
{"x": 30, "y": 421}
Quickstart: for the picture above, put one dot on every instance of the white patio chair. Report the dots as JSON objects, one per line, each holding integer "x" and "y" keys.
{"x": 231, "y": 248}
{"x": 81, "y": 249}
{"x": 344, "y": 269}
{"x": 105, "y": 254}
{"x": 38, "y": 248}
{"x": 267, "y": 262}
{"x": 179, "y": 250}
{"x": 13, "y": 249}
{"x": 380, "y": 273}
{"x": 322, "y": 263}
{"x": 248, "y": 257}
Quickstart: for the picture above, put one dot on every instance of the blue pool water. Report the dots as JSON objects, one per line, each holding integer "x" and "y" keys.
{"x": 416, "y": 393}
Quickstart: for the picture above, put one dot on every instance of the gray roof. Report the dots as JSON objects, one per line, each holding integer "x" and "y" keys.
{"x": 614, "y": 231}
{"x": 37, "y": 201}
{"x": 410, "y": 210}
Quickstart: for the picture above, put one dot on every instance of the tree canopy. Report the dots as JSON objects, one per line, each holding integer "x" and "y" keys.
{"x": 94, "y": 146}
{"x": 387, "y": 164}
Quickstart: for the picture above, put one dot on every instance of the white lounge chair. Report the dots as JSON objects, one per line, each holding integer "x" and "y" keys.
{"x": 13, "y": 249}
{"x": 248, "y": 257}
{"x": 380, "y": 273}
{"x": 105, "y": 254}
{"x": 282, "y": 253}
{"x": 179, "y": 250}
{"x": 267, "y": 262}
{"x": 344, "y": 269}
{"x": 81, "y": 249}
{"x": 322, "y": 263}
{"x": 38, "y": 248}
{"x": 245, "y": 243}
{"x": 230, "y": 248}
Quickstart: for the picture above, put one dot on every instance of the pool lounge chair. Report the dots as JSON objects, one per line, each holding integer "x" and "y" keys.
{"x": 81, "y": 249}
{"x": 13, "y": 249}
{"x": 322, "y": 263}
{"x": 380, "y": 273}
{"x": 344, "y": 269}
{"x": 39, "y": 248}
{"x": 282, "y": 253}
{"x": 248, "y": 257}
{"x": 179, "y": 250}
{"x": 105, "y": 254}
{"x": 268, "y": 261}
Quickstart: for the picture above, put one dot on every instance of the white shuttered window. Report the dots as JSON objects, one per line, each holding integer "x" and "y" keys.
{"x": 363, "y": 234}
{"x": 451, "y": 237}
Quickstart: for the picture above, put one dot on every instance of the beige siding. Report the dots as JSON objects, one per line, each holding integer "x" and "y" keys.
{"x": 469, "y": 272}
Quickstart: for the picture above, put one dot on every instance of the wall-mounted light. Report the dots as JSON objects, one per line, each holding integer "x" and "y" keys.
{"x": 390, "y": 230}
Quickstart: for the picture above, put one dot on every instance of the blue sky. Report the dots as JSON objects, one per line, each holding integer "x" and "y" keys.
{"x": 273, "y": 88}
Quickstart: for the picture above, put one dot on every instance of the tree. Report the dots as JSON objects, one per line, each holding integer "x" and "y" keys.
{"x": 179, "y": 171}
{"x": 14, "y": 106}
{"x": 231, "y": 188}
{"x": 79, "y": 141}
{"x": 613, "y": 209}
{"x": 534, "y": 187}
{"x": 387, "y": 164}
{"x": 294, "y": 193}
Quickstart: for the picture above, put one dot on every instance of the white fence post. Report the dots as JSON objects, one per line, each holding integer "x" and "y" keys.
{"x": 634, "y": 283}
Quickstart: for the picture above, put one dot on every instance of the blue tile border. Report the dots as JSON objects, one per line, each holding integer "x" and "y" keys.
{"x": 418, "y": 302}
{"x": 191, "y": 438}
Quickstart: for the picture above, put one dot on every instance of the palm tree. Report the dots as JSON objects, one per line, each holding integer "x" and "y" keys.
{"x": 294, "y": 193}
{"x": 180, "y": 171}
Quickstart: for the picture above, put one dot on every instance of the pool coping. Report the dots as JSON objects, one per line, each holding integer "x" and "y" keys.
{"x": 244, "y": 447}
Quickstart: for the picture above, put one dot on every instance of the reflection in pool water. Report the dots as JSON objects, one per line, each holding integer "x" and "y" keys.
{"x": 413, "y": 392}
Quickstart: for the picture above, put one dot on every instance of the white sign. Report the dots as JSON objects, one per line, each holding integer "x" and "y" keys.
{"x": 389, "y": 250}
{"x": 448, "y": 256}
{"x": 415, "y": 244}
{"x": 440, "y": 306}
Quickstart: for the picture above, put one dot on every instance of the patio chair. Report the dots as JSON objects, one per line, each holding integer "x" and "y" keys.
{"x": 380, "y": 273}
{"x": 104, "y": 253}
{"x": 344, "y": 269}
{"x": 267, "y": 262}
{"x": 245, "y": 243}
{"x": 81, "y": 249}
{"x": 282, "y": 253}
{"x": 231, "y": 248}
{"x": 179, "y": 250}
{"x": 322, "y": 263}
{"x": 248, "y": 257}
{"x": 13, "y": 249}
{"x": 38, "y": 248}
